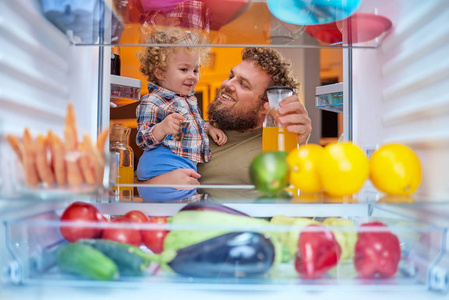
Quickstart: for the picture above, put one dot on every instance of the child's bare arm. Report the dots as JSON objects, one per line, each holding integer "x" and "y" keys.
{"x": 217, "y": 135}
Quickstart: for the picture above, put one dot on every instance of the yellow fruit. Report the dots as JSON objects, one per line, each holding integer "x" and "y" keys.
{"x": 395, "y": 169}
{"x": 343, "y": 168}
{"x": 303, "y": 164}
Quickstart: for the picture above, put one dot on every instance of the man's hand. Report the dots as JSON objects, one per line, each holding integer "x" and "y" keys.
{"x": 295, "y": 118}
{"x": 176, "y": 177}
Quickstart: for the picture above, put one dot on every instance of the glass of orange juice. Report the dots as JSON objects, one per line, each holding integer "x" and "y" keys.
{"x": 275, "y": 137}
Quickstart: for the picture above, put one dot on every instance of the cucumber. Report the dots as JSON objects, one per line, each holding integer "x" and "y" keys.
{"x": 128, "y": 262}
{"x": 85, "y": 260}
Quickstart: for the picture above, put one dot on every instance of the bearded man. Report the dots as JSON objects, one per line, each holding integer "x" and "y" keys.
{"x": 239, "y": 110}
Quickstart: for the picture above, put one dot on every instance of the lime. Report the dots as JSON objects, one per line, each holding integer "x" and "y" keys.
{"x": 269, "y": 172}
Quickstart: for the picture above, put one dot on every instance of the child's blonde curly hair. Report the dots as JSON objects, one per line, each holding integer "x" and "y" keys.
{"x": 277, "y": 67}
{"x": 153, "y": 57}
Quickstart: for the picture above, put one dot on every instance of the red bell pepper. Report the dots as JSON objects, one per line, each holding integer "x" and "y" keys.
{"x": 318, "y": 251}
{"x": 377, "y": 253}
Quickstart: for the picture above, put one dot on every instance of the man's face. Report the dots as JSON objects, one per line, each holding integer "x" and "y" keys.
{"x": 238, "y": 104}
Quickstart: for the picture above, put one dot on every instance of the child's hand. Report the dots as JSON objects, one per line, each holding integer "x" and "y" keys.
{"x": 171, "y": 124}
{"x": 217, "y": 135}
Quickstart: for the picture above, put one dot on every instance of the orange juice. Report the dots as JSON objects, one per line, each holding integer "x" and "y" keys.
{"x": 278, "y": 139}
{"x": 125, "y": 176}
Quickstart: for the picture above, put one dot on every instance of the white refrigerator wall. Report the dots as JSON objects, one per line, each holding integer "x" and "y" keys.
{"x": 40, "y": 73}
{"x": 401, "y": 90}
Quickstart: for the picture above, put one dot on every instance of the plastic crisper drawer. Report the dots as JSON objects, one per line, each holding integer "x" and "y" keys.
{"x": 33, "y": 240}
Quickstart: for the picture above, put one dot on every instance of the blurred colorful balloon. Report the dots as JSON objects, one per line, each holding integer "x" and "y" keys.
{"x": 309, "y": 12}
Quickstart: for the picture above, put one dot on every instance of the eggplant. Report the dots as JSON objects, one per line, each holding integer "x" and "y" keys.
{"x": 213, "y": 207}
{"x": 234, "y": 254}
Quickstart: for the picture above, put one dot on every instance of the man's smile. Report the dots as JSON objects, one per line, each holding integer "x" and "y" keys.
{"x": 226, "y": 98}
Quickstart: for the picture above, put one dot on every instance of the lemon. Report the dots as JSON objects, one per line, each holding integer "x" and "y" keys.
{"x": 343, "y": 168}
{"x": 395, "y": 169}
{"x": 303, "y": 164}
{"x": 269, "y": 172}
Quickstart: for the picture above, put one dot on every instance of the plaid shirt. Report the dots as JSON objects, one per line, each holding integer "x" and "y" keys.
{"x": 159, "y": 103}
{"x": 193, "y": 14}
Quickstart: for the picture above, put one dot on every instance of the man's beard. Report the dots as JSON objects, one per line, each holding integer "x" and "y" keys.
{"x": 228, "y": 118}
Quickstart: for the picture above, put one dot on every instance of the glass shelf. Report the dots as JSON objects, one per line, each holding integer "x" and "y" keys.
{"x": 226, "y": 23}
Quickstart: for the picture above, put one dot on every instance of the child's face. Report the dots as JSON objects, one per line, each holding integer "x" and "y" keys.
{"x": 182, "y": 73}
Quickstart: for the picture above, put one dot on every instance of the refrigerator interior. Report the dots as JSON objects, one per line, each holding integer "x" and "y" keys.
{"x": 394, "y": 91}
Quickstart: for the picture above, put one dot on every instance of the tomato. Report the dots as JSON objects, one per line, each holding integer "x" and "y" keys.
{"x": 136, "y": 216}
{"x": 80, "y": 212}
{"x": 154, "y": 239}
{"x": 128, "y": 233}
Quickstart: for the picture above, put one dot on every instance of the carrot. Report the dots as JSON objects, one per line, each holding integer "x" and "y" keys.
{"x": 74, "y": 175}
{"x": 43, "y": 168}
{"x": 72, "y": 155}
{"x": 87, "y": 160}
{"x": 15, "y": 145}
{"x": 97, "y": 159}
{"x": 57, "y": 158}
{"x": 70, "y": 125}
{"x": 100, "y": 153}
{"x": 101, "y": 140}
{"x": 29, "y": 159}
